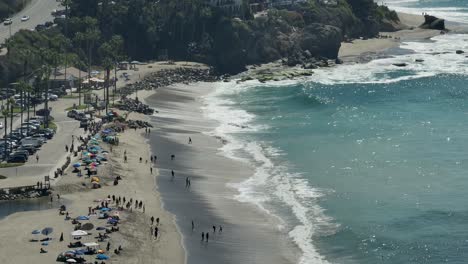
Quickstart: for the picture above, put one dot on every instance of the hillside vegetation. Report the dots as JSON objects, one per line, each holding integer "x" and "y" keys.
{"x": 9, "y": 7}
{"x": 102, "y": 32}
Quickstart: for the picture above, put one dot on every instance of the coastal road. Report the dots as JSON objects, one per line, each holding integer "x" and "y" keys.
{"x": 39, "y": 12}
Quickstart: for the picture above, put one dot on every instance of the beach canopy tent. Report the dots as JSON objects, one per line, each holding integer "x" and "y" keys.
{"x": 79, "y": 233}
{"x": 91, "y": 244}
{"x": 70, "y": 260}
{"x": 97, "y": 80}
{"x": 36, "y": 232}
{"x": 77, "y": 165}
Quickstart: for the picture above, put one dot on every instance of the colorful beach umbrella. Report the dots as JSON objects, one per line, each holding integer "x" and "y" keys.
{"x": 47, "y": 231}
{"x": 77, "y": 165}
{"x": 102, "y": 257}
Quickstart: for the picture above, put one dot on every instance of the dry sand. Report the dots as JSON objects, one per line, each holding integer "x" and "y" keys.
{"x": 365, "y": 50}
{"x": 134, "y": 235}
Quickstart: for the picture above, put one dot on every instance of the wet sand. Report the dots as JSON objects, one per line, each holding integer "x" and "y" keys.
{"x": 249, "y": 235}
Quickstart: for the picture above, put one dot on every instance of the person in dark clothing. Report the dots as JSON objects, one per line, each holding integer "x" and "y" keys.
{"x": 152, "y": 220}
{"x": 156, "y": 231}
{"x": 207, "y": 236}
{"x": 202, "y": 236}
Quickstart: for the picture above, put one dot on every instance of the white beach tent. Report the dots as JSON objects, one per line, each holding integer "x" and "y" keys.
{"x": 79, "y": 233}
{"x": 91, "y": 244}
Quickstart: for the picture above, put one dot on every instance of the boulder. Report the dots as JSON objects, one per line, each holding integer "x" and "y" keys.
{"x": 460, "y": 52}
{"x": 400, "y": 64}
{"x": 432, "y": 22}
{"x": 320, "y": 40}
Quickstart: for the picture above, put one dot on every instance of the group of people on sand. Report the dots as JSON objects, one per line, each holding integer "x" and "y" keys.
{"x": 154, "y": 230}
{"x": 205, "y": 236}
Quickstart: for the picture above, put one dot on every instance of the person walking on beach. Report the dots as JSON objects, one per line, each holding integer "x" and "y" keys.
{"x": 207, "y": 236}
{"x": 66, "y": 148}
{"x": 172, "y": 157}
{"x": 172, "y": 173}
{"x": 186, "y": 182}
{"x": 220, "y": 229}
{"x": 151, "y": 159}
{"x": 125, "y": 159}
{"x": 193, "y": 226}
{"x": 155, "y": 158}
{"x": 202, "y": 236}
{"x": 37, "y": 158}
{"x": 190, "y": 140}
{"x": 157, "y": 221}
{"x": 156, "y": 231}
{"x": 151, "y": 170}
{"x": 152, "y": 220}
{"x": 214, "y": 229}
{"x": 141, "y": 159}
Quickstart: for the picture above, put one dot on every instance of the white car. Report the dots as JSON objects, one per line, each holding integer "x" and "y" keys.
{"x": 1, "y": 125}
{"x": 53, "y": 97}
{"x": 24, "y": 18}
{"x": 7, "y": 22}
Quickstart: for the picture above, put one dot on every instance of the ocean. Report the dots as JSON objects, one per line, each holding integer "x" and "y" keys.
{"x": 363, "y": 163}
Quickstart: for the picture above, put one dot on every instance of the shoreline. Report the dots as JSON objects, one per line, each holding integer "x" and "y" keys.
{"x": 204, "y": 163}
{"x": 209, "y": 201}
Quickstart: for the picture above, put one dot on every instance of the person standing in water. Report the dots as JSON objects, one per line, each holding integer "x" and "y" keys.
{"x": 190, "y": 140}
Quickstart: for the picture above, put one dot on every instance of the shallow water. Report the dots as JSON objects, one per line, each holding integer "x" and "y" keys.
{"x": 11, "y": 207}
{"x": 364, "y": 163}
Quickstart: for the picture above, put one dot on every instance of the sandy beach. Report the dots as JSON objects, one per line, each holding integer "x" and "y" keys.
{"x": 248, "y": 234}
{"x": 365, "y": 50}
{"x": 134, "y": 235}
{"x": 208, "y": 201}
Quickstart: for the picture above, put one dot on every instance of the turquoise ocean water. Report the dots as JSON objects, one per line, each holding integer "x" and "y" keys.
{"x": 362, "y": 163}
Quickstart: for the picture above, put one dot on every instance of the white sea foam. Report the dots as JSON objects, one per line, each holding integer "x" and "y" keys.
{"x": 271, "y": 182}
{"x": 439, "y": 57}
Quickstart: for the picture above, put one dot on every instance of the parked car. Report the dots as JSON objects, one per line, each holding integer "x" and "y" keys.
{"x": 21, "y": 153}
{"x": 1, "y": 125}
{"x": 43, "y": 112}
{"x": 83, "y": 123}
{"x": 7, "y": 22}
{"x": 17, "y": 159}
{"x": 28, "y": 147}
{"x": 53, "y": 97}
{"x": 24, "y": 18}
{"x": 72, "y": 113}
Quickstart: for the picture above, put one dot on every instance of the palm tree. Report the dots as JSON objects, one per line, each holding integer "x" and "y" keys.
{"x": 25, "y": 88}
{"x": 110, "y": 52}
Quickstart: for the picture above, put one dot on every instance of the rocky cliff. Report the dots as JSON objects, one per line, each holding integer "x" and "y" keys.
{"x": 305, "y": 34}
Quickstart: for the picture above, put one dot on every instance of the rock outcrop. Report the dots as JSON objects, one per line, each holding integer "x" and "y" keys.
{"x": 432, "y": 22}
